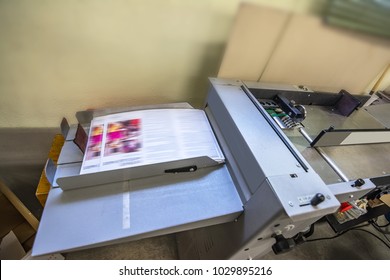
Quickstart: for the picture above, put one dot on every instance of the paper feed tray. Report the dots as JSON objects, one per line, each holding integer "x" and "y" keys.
{"x": 136, "y": 209}
{"x": 67, "y": 174}
{"x": 67, "y": 177}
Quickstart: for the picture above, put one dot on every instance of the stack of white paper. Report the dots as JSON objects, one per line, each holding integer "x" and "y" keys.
{"x": 147, "y": 137}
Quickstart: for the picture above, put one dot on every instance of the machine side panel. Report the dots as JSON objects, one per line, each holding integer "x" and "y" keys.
{"x": 236, "y": 144}
{"x": 231, "y": 164}
{"x": 231, "y": 240}
{"x": 250, "y": 236}
{"x": 263, "y": 152}
{"x": 258, "y": 151}
{"x": 296, "y": 193}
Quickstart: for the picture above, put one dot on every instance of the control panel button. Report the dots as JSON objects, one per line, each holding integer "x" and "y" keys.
{"x": 359, "y": 182}
{"x": 317, "y": 199}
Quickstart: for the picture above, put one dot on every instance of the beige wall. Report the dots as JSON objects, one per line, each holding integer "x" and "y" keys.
{"x": 58, "y": 57}
{"x": 274, "y": 46}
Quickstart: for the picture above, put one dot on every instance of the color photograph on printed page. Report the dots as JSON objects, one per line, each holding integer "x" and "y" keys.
{"x": 123, "y": 137}
{"x": 95, "y": 142}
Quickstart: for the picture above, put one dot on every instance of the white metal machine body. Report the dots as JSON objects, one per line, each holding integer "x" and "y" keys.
{"x": 268, "y": 192}
{"x": 273, "y": 172}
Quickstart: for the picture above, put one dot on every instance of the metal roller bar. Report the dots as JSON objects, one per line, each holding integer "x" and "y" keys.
{"x": 331, "y": 163}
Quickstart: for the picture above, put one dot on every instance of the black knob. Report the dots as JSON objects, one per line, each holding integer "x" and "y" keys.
{"x": 359, "y": 182}
{"x": 282, "y": 244}
{"x": 317, "y": 199}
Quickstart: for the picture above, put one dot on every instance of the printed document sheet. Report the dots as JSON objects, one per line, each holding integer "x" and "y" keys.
{"x": 148, "y": 136}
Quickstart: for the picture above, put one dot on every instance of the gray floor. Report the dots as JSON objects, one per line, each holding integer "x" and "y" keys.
{"x": 353, "y": 245}
{"x": 155, "y": 248}
{"x": 22, "y": 157}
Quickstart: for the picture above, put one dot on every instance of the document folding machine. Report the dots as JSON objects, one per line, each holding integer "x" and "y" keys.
{"x": 292, "y": 156}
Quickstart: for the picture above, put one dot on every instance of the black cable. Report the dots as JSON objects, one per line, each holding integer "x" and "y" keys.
{"x": 310, "y": 231}
{"x": 325, "y": 238}
{"x": 359, "y": 228}
{"x": 384, "y": 225}
{"x": 375, "y": 225}
{"x": 376, "y": 236}
{"x": 378, "y": 228}
{"x": 333, "y": 237}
